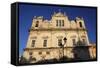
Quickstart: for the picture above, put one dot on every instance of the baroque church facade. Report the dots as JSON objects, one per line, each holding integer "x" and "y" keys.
{"x": 57, "y": 38}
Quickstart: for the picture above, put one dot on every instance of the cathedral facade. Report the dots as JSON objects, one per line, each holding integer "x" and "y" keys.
{"x": 57, "y": 38}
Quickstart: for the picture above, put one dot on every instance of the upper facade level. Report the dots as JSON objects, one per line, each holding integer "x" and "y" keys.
{"x": 58, "y": 20}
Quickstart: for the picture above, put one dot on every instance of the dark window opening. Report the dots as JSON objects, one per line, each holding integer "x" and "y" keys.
{"x": 37, "y": 23}
{"x": 59, "y": 42}
{"x": 56, "y": 22}
{"x": 62, "y": 22}
{"x": 33, "y": 43}
{"x": 47, "y": 52}
{"x": 40, "y": 53}
{"x": 80, "y": 24}
{"x": 45, "y": 43}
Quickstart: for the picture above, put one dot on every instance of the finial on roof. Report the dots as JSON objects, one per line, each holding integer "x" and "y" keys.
{"x": 64, "y": 13}
{"x": 34, "y": 16}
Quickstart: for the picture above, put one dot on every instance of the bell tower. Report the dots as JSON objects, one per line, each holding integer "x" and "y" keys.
{"x": 80, "y": 23}
{"x": 82, "y": 31}
{"x": 37, "y": 21}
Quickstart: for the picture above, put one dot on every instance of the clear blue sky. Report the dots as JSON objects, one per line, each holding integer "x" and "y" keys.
{"x": 27, "y": 12}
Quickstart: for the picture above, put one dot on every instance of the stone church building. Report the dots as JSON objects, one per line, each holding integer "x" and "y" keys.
{"x": 57, "y": 38}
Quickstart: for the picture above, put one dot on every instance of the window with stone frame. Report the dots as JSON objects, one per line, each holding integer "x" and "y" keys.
{"x": 62, "y": 22}
{"x": 33, "y": 43}
{"x": 45, "y": 43}
{"x": 57, "y": 23}
{"x": 60, "y": 42}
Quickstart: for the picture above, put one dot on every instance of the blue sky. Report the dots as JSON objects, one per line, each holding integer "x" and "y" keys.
{"x": 28, "y": 11}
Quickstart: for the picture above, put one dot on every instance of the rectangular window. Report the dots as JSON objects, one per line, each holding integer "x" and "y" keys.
{"x": 59, "y": 42}
{"x": 40, "y": 53}
{"x": 62, "y": 22}
{"x": 47, "y": 52}
{"x": 45, "y": 43}
{"x": 59, "y": 23}
{"x": 56, "y": 22}
{"x": 33, "y": 43}
{"x": 74, "y": 42}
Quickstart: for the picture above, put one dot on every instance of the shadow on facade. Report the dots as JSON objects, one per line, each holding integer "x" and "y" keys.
{"x": 81, "y": 53}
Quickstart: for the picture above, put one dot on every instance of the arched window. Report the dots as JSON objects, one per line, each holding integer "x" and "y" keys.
{"x": 80, "y": 23}
{"x": 37, "y": 24}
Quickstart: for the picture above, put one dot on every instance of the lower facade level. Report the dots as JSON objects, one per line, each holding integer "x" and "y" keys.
{"x": 35, "y": 55}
